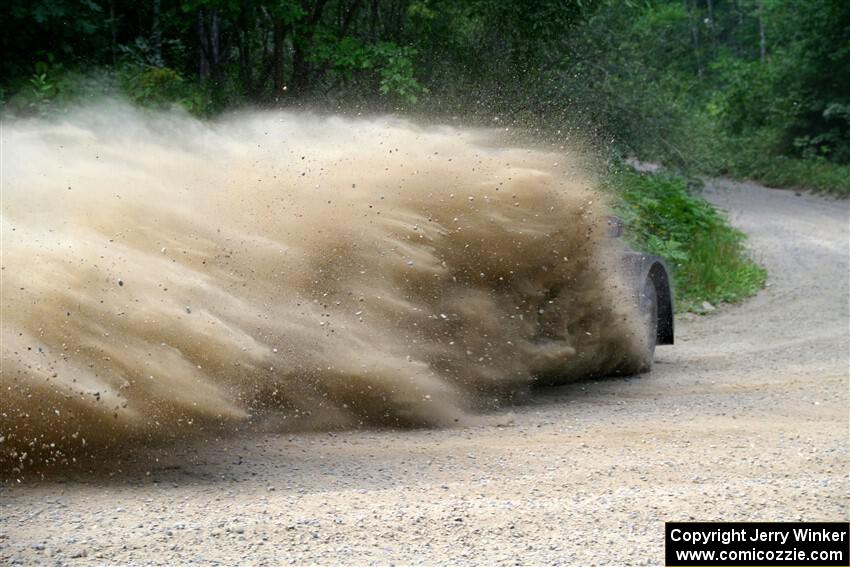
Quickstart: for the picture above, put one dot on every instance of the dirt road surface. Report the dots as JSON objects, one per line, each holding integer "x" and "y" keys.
{"x": 745, "y": 418}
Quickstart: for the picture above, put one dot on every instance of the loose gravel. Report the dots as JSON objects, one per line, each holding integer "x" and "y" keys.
{"x": 745, "y": 418}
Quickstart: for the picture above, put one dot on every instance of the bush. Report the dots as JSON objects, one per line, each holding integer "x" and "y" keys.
{"x": 51, "y": 86}
{"x": 751, "y": 158}
{"x": 706, "y": 255}
{"x": 161, "y": 87}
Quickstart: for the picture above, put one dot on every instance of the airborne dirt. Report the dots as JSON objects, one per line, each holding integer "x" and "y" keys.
{"x": 745, "y": 418}
{"x": 166, "y": 278}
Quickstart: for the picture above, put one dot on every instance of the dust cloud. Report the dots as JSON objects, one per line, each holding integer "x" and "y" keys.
{"x": 165, "y": 278}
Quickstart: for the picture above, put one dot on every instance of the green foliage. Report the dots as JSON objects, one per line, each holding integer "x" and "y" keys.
{"x": 752, "y": 161}
{"x": 707, "y": 256}
{"x": 393, "y": 64}
{"x": 161, "y": 87}
{"x": 48, "y": 86}
{"x": 749, "y": 88}
{"x": 42, "y": 83}
{"x": 397, "y": 72}
{"x": 32, "y": 29}
{"x": 153, "y": 86}
{"x": 779, "y": 117}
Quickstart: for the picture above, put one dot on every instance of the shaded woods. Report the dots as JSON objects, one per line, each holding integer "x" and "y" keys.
{"x": 748, "y": 87}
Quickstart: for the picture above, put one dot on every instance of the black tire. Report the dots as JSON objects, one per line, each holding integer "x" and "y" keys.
{"x": 648, "y": 307}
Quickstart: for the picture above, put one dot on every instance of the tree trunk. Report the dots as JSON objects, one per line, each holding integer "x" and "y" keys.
{"x": 300, "y": 67}
{"x": 349, "y": 17}
{"x": 712, "y": 28}
{"x": 215, "y": 41}
{"x": 300, "y": 71}
{"x": 156, "y": 35}
{"x": 208, "y": 41}
{"x": 245, "y": 30}
{"x": 373, "y": 20}
{"x": 739, "y": 28}
{"x": 113, "y": 33}
{"x": 762, "y": 38}
{"x": 203, "y": 48}
{"x": 277, "y": 59}
{"x": 692, "y": 19}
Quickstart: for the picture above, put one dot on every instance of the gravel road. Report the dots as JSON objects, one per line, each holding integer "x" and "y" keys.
{"x": 745, "y": 418}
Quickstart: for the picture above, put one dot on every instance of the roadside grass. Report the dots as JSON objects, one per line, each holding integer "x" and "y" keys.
{"x": 754, "y": 156}
{"x": 702, "y": 147}
{"x": 708, "y": 257}
{"x": 813, "y": 173}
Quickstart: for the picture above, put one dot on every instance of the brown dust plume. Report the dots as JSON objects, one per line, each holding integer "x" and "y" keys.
{"x": 164, "y": 277}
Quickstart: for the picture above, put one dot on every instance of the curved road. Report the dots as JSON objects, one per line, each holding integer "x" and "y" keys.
{"x": 746, "y": 418}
